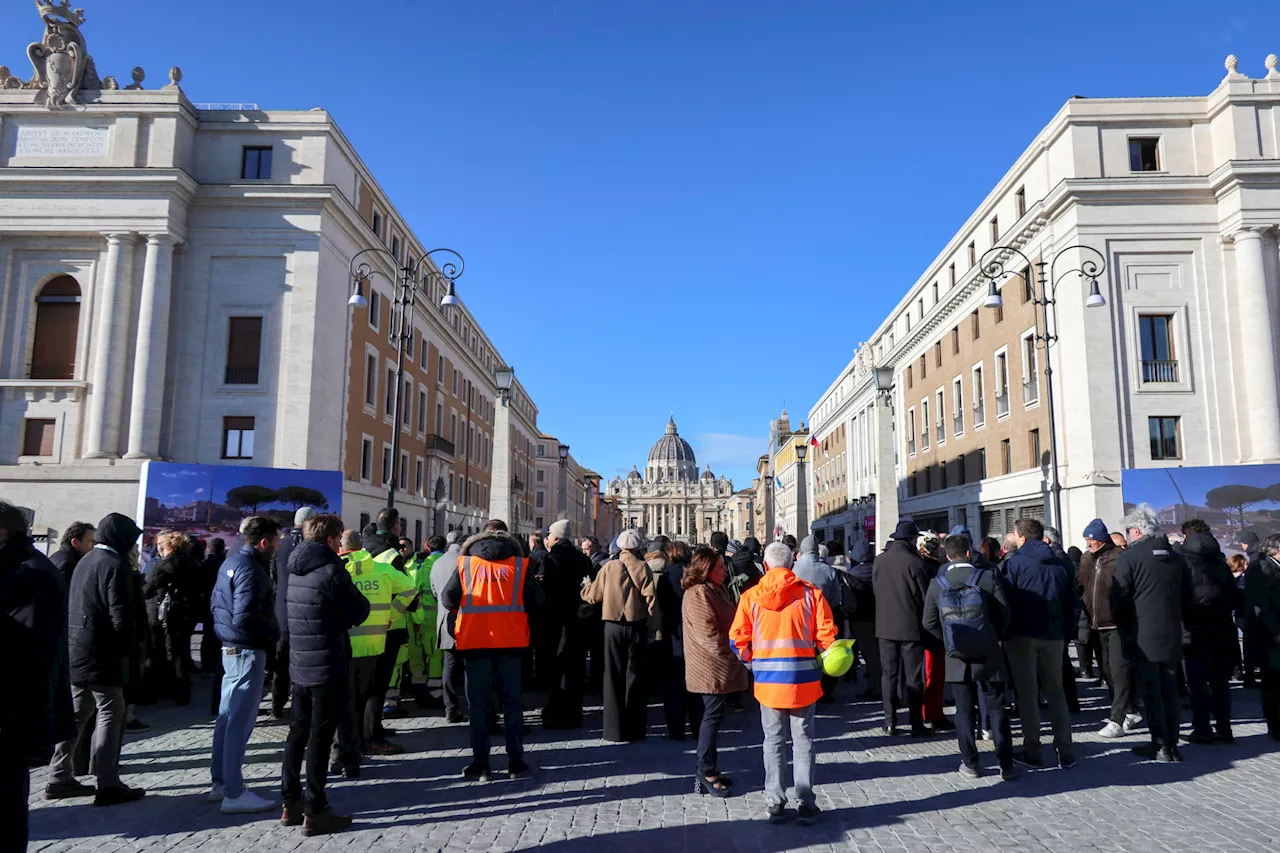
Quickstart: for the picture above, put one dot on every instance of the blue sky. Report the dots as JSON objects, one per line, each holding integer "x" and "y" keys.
{"x": 1154, "y": 486}
{"x": 698, "y": 207}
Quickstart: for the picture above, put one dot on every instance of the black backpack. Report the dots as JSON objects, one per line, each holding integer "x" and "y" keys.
{"x": 967, "y": 631}
{"x": 848, "y": 595}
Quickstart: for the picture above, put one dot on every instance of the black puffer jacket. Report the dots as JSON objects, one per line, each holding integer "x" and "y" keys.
{"x": 65, "y": 559}
{"x": 323, "y": 605}
{"x": 1150, "y": 594}
{"x": 289, "y": 540}
{"x": 178, "y": 577}
{"x": 1210, "y": 627}
{"x": 901, "y": 581}
{"x": 102, "y": 619}
{"x": 563, "y": 569}
{"x": 747, "y": 562}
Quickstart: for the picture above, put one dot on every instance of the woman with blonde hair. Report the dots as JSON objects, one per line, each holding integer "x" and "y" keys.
{"x": 170, "y": 593}
{"x": 712, "y": 671}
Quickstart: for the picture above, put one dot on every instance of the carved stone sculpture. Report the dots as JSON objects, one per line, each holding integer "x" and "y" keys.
{"x": 1232, "y": 63}
{"x": 175, "y": 77}
{"x": 109, "y": 84}
{"x": 60, "y": 58}
{"x": 138, "y": 76}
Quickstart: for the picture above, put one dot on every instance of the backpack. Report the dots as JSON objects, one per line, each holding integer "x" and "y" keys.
{"x": 848, "y": 595}
{"x": 967, "y": 631}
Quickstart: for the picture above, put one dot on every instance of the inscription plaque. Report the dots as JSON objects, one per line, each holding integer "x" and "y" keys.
{"x": 53, "y": 141}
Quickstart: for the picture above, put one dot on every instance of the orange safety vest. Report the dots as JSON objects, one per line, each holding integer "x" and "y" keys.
{"x": 780, "y": 646}
{"x": 491, "y": 615}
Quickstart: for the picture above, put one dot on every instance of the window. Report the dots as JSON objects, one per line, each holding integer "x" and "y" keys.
{"x": 453, "y": 428}
{"x": 951, "y": 272}
{"x": 973, "y": 253}
{"x": 961, "y": 474}
{"x": 537, "y": 522}
{"x": 1020, "y": 202}
{"x": 1006, "y": 456}
{"x": 1030, "y": 371}
{"x": 386, "y": 463}
{"x": 920, "y": 305}
{"x": 440, "y": 419}
{"x": 979, "y": 407}
{"x": 255, "y": 163}
{"x": 975, "y": 325}
{"x": 375, "y": 306}
{"x": 540, "y": 499}
{"x": 910, "y": 378}
{"x": 422, "y": 410}
{"x": 942, "y": 475}
{"x": 924, "y": 366}
{"x": 422, "y": 353}
{"x": 395, "y": 247}
{"x": 408, "y": 345}
{"x": 995, "y": 230}
{"x": 37, "y": 436}
{"x": 440, "y": 370}
{"x": 957, "y": 406}
{"x": 366, "y": 458}
{"x": 955, "y": 341}
{"x": 941, "y": 417}
{"x": 1166, "y": 440}
{"x": 237, "y": 438}
{"x": 370, "y": 380}
{"x": 982, "y": 463}
{"x": 1026, "y": 286}
{"x": 538, "y": 475}
{"x": 1158, "y": 361}
{"x": 391, "y": 392}
{"x": 911, "y": 432}
{"x": 404, "y": 469}
{"x": 999, "y": 309}
{"x": 1002, "y": 385}
{"x": 542, "y": 450}
{"x": 53, "y": 349}
{"x": 377, "y": 224}
{"x": 1144, "y": 154}
{"x": 937, "y": 354}
{"x": 406, "y": 404}
{"x": 925, "y": 425}
{"x": 1033, "y": 442}
{"x": 935, "y": 293}
{"x": 244, "y": 346}
{"x": 455, "y": 383}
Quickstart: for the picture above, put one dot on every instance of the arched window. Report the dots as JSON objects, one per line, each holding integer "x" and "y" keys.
{"x": 53, "y": 353}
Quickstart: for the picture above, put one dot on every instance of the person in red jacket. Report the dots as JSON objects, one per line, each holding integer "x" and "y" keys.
{"x": 781, "y": 625}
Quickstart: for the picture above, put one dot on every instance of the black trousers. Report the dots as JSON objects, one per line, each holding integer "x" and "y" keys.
{"x": 377, "y": 695}
{"x": 316, "y": 714}
{"x": 966, "y": 694}
{"x": 1209, "y": 683}
{"x": 1159, "y": 683}
{"x": 1069, "y": 686}
{"x": 1118, "y": 674}
{"x": 565, "y": 665}
{"x": 625, "y": 697}
{"x": 713, "y": 706}
{"x": 902, "y": 680}
{"x": 1089, "y": 653}
{"x": 280, "y": 678}
{"x": 1271, "y": 699}
{"x": 453, "y": 681}
{"x": 15, "y": 790}
{"x": 348, "y": 746}
{"x": 681, "y": 709}
{"x": 489, "y": 672}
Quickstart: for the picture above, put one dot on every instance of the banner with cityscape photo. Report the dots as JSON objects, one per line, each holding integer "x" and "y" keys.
{"x": 210, "y": 501}
{"x": 1229, "y": 497}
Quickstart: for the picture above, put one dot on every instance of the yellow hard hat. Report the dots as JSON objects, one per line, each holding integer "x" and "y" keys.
{"x": 838, "y": 658}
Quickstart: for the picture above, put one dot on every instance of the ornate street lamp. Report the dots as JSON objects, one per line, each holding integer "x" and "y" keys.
{"x": 413, "y": 280}
{"x": 1044, "y": 289}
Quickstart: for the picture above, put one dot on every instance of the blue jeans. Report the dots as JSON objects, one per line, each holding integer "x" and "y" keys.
{"x": 243, "y": 672}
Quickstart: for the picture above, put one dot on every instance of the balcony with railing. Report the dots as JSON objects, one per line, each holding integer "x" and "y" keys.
{"x": 440, "y": 444}
{"x": 979, "y": 415}
{"x": 1031, "y": 391}
{"x": 517, "y": 485}
{"x": 241, "y": 376}
{"x": 1160, "y": 371}
{"x": 1002, "y": 404}
{"x": 957, "y": 425}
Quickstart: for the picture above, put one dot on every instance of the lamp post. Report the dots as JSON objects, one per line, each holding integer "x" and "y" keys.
{"x": 802, "y": 492}
{"x": 562, "y": 496}
{"x": 1043, "y": 294}
{"x": 501, "y": 505}
{"x": 885, "y": 498}
{"x": 769, "y": 523}
{"x": 412, "y": 281}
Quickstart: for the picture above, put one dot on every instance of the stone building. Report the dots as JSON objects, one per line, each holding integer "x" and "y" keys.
{"x": 671, "y": 497}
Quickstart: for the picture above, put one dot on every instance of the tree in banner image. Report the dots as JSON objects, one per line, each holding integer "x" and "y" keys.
{"x": 247, "y": 499}
{"x": 300, "y": 496}
{"x": 1235, "y": 498}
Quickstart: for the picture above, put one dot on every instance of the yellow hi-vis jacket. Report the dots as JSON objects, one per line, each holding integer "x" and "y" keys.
{"x": 399, "y": 617}
{"x": 386, "y": 590}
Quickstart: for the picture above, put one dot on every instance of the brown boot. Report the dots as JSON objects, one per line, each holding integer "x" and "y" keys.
{"x": 292, "y": 815}
{"x": 324, "y": 823}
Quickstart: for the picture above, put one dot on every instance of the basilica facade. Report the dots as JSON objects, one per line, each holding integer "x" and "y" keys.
{"x": 671, "y": 498}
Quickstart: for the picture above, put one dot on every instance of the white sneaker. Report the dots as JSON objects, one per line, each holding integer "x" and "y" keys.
{"x": 1132, "y": 722}
{"x": 215, "y": 794}
{"x": 986, "y": 735}
{"x": 247, "y": 803}
{"x": 1112, "y": 729}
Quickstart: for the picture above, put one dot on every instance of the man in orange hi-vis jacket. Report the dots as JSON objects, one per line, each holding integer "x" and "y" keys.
{"x": 781, "y": 625}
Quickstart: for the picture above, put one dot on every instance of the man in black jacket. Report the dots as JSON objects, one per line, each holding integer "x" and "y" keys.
{"x": 323, "y": 605}
{"x": 901, "y": 581}
{"x": 858, "y": 602}
{"x": 1150, "y": 594}
{"x": 1262, "y": 610}
{"x": 36, "y": 713}
{"x": 289, "y": 540}
{"x": 1209, "y": 641}
{"x": 101, "y": 640}
{"x": 563, "y": 570}
{"x": 77, "y": 540}
{"x": 244, "y": 619}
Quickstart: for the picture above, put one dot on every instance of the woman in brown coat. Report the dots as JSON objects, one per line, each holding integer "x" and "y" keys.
{"x": 711, "y": 670}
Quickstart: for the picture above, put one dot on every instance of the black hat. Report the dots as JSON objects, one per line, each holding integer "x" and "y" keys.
{"x": 906, "y": 529}
{"x": 1249, "y": 537}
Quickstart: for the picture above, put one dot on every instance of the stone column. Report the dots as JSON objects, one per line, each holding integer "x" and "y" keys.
{"x": 886, "y": 473}
{"x": 110, "y": 350}
{"x": 1261, "y": 393}
{"x": 151, "y": 350}
{"x": 500, "y": 503}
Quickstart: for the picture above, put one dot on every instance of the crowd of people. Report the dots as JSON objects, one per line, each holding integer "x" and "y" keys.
{"x": 341, "y": 628}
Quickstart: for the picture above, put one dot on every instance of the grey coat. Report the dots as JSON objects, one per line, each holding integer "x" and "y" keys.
{"x": 999, "y": 610}
{"x": 811, "y": 569}
{"x": 441, "y": 570}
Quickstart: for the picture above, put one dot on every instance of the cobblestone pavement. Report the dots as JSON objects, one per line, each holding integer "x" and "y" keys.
{"x": 897, "y": 796}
